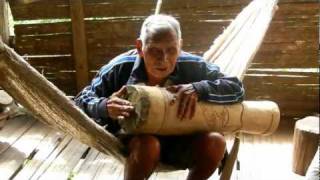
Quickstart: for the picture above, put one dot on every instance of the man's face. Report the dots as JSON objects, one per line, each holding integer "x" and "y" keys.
{"x": 160, "y": 55}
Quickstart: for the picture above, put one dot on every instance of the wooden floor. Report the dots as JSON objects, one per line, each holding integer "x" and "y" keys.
{"x": 32, "y": 150}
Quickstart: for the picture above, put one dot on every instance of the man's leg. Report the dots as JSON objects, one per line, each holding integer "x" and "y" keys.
{"x": 208, "y": 151}
{"x": 144, "y": 155}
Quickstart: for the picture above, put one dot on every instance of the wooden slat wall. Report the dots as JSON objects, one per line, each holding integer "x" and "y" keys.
{"x": 281, "y": 69}
{"x": 112, "y": 26}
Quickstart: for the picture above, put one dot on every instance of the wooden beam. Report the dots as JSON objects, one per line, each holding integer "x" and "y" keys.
{"x": 79, "y": 43}
{"x": 48, "y": 104}
{"x": 4, "y": 21}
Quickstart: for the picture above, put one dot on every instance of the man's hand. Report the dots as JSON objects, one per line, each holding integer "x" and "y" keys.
{"x": 118, "y": 108}
{"x": 188, "y": 97}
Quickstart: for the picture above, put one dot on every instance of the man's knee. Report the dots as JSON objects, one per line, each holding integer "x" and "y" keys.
{"x": 210, "y": 146}
{"x": 145, "y": 147}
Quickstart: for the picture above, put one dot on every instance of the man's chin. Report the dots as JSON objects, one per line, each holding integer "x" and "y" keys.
{"x": 161, "y": 75}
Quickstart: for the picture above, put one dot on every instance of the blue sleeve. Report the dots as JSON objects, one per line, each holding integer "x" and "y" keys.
{"x": 218, "y": 88}
{"x": 92, "y": 99}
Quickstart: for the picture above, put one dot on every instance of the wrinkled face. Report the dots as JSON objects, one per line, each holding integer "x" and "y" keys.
{"x": 160, "y": 54}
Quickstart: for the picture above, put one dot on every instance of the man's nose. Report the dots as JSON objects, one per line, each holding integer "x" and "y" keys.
{"x": 162, "y": 56}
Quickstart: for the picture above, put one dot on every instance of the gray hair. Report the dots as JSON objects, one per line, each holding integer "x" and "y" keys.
{"x": 159, "y": 22}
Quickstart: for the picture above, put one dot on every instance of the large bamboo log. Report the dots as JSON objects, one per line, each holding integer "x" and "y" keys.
{"x": 48, "y": 104}
{"x": 154, "y": 114}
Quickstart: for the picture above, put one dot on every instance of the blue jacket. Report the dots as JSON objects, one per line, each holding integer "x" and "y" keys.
{"x": 128, "y": 68}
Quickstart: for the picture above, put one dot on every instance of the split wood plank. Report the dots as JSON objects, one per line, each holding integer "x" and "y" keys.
{"x": 305, "y": 12}
{"x": 109, "y": 169}
{"x": 90, "y": 165}
{"x": 104, "y": 36}
{"x": 40, "y": 10}
{"x": 119, "y": 26}
{"x": 49, "y": 160}
{"x": 13, "y": 158}
{"x": 4, "y": 21}
{"x": 62, "y": 166}
{"x": 281, "y": 79}
{"x": 59, "y": 44}
{"x": 107, "y": 8}
{"x": 79, "y": 43}
{"x": 52, "y": 63}
{"x": 13, "y": 130}
{"x": 43, "y": 151}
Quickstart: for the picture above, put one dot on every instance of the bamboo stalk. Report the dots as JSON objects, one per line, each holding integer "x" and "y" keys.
{"x": 220, "y": 43}
{"x": 158, "y": 7}
{"x": 224, "y": 61}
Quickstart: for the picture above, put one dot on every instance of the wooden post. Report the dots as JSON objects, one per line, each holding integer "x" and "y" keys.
{"x": 4, "y": 21}
{"x": 305, "y": 143}
{"x": 79, "y": 43}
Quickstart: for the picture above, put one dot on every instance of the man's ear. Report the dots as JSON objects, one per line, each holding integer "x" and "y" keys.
{"x": 139, "y": 47}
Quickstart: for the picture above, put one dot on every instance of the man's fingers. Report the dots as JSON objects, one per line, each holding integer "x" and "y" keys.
{"x": 187, "y": 109}
{"x": 125, "y": 114}
{"x": 193, "y": 106}
{"x": 120, "y": 101}
{"x": 173, "y": 89}
{"x": 115, "y": 111}
{"x": 182, "y": 106}
{"x": 125, "y": 108}
{"x": 116, "y": 108}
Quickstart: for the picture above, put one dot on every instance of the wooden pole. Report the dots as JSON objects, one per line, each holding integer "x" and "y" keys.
{"x": 50, "y": 105}
{"x": 158, "y": 7}
{"x": 305, "y": 143}
{"x": 79, "y": 43}
{"x": 228, "y": 167}
{"x": 4, "y": 21}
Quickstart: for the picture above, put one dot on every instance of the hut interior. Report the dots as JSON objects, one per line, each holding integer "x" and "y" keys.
{"x": 68, "y": 41}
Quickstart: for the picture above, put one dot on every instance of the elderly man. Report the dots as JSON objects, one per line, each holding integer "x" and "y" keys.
{"x": 159, "y": 61}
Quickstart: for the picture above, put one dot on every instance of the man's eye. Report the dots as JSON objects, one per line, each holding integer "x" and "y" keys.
{"x": 154, "y": 50}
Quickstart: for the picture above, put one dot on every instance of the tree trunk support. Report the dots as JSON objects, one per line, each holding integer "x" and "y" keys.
{"x": 48, "y": 104}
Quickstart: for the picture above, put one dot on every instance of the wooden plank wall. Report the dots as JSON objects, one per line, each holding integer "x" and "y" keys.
{"x": 285, "y": 69}
{"x": 112, "y": 26}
